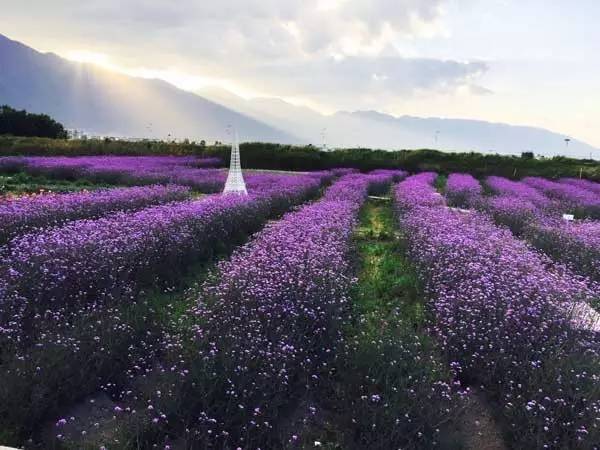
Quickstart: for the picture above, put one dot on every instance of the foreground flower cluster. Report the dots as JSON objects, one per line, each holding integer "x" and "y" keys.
{"x": 70, "y": 307}
{"x": 35, "y": 212}
{"x": 502, "y": 314}
{"x": 130, "y": 170}
{"x": 264, "y": 330}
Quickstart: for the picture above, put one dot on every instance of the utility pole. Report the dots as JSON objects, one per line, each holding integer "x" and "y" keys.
{"x": 324, "y": 148}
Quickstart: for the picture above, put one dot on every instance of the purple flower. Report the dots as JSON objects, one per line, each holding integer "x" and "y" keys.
{"x": 32, "y": 213}
{"x": 509, "y": 317}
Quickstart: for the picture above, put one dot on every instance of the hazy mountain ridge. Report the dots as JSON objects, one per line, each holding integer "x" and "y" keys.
{"x": 99, "y": 101}
{"x": 379, "y": 130}
{"x": 90, "y": 98}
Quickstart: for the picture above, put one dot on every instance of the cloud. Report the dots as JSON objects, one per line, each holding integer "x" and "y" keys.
{"x": 356, "y": 76}
{"x": 322, "y": 49}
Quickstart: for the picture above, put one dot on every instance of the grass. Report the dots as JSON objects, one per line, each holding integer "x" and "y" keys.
{"x": 390, "y": 388}
{"x": 23, "y": 183}
{"x": 440, "y": 183}
{"x": 387, "y": 280}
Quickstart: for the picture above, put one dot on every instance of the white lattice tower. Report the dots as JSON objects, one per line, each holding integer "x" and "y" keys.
{"x": 235, "y": 180}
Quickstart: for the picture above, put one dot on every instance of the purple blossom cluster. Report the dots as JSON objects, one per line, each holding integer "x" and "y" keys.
{"x": 396, "y": 174}
{"x": 341, "y": 171}
{"x": 379, "y": 180}
{"x": 582, "y": 183}
{"x": 514, "y": 205}
{"x": 580, "y": 200}
{"x": 509, "y": 320}
{"x": 515, "y": 212}
{"x": 132, "y": 170}
{"x": 31, "y": 213}
{"x": 45, "y": 276}
{"x": 517, "y": 205}
{"x": 576, "y": 244}
{"x": 418, "y": 190}
{"x": 266, "y": 324}
{"x": 462, "y": 190}
{"x": 504, "y": 186}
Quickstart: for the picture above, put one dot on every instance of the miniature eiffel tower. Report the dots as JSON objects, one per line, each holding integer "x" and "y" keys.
{"x": 235, "y": 180}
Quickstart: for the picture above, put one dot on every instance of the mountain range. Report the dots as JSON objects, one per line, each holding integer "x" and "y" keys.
{"x": 99, "y": 101}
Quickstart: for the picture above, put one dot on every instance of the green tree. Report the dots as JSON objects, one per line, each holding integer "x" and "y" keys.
{"x": 22, "y": 123}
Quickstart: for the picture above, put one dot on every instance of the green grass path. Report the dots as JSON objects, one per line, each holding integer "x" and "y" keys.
{"x": 389, "y": 387}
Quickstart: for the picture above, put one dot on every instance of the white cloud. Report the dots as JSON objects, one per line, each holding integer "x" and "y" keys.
{"x": 322, "y": 50}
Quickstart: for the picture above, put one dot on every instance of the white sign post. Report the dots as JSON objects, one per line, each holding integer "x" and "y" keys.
{"x": 568, "y": 218}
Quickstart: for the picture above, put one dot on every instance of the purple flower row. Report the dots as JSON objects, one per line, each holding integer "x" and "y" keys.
{"x": 580, "y": 200}
{"x": 379, "y": 180}
{"x": 26, "y": 214}
{"x": 512, "y": 203}
{"x": 583, "y": 184}
{"x": 341, "y": 171}
{"x": 462, "y": 189}
{"x": 505, "y": 317}
{"x": 265, "y": 327}
{"x": 190, "y": 171}
{"x": 95, "y": 262}
{"x": 418, "y": 191}
{"x": 506, "y": 187}
{"x": 576, "y": 244}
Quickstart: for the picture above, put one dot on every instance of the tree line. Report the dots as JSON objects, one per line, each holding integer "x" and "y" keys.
{"x": 21, "y": 123}
{"x": 23, "y": 133}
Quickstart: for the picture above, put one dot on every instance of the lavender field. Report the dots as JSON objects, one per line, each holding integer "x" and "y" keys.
{"x": 141, "y": 308}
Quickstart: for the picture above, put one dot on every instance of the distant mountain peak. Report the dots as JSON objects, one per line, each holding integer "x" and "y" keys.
{"x": 102, "y": 102}
{"x": 91, "y": 98}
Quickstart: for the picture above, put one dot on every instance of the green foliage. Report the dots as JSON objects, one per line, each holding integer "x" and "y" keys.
{"x": 440, "y": 183}
{"x": 23, "y": 183}
{"x": 259, "y": 155}
{"x": 286, "y": 157}
{"x": 22, "y": 123}
{"x": 33, "y": 146}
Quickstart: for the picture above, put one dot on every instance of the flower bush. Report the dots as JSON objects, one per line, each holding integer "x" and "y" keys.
{"x": 502, "y": 314}
{"x": 576, "y": 244}
{"x": 72, "y": 314}
{"x": 112, "y": 258}
{"x": 572, "y": 197}
{"x": 504, "y": 186}
{"x": 583, "y": 184}
{"x": 462, "y": 190}
{"x": 263, "y": 332}
{"x": 418, "y": 190}
{"x": 35, "y": 212}
{"x": 131, "y": 170}
{"x": 379, "y": 180}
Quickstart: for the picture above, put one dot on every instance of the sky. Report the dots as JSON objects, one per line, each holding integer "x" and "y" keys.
{"x": 524, "y": 62}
